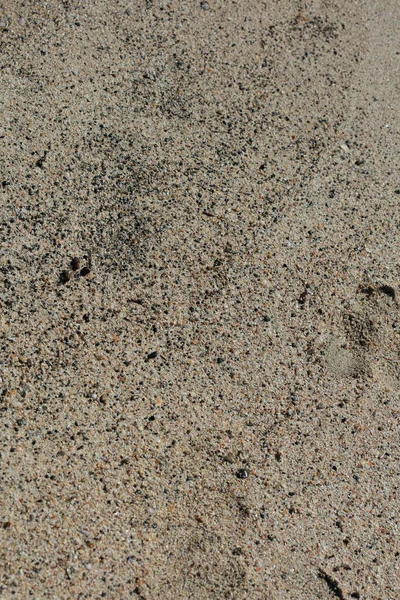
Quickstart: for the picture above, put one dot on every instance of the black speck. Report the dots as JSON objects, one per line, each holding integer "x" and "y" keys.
{"x": 65, "y": 276}
{"x": 152, "y": 354}
{"x": 242, "y": 474}
{"x": 75, "y": 264}
{"x": 85, "y": 271}
{"x": 303, "y": 297}
{"x": 40, "y": 162}
{"x": 220, "y": 360}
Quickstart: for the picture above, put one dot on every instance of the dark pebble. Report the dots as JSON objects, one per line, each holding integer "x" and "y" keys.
{"x": 266, "y": 318}
{"x": 85, "y": 271}
{"x": 242, "y": 474}
{"x": 397, "y": 191}
{"x": 75, "y": 263}
{"x": 220, "y": 360}
{"x": 303, "y": 297}
{"x": 153, "y": 354}
{"x": 65, "y": 276}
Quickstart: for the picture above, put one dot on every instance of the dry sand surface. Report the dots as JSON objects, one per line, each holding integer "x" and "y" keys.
{"x": 200, "y": 260}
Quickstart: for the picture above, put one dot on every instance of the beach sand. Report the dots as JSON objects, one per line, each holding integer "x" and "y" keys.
{"x": 200, "y": 373}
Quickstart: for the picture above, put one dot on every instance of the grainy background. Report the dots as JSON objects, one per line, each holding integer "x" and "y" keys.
{"x": 212, "y": 411}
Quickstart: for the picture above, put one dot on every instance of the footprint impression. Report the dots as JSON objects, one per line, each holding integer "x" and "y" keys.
{"x": 368, "y": 342}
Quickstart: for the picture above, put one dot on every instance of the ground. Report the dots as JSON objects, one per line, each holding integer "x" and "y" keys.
{"x": 199, "y": 279}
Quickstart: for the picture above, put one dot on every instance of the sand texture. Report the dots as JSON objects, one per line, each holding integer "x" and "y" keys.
{"x": 199, "y": 285}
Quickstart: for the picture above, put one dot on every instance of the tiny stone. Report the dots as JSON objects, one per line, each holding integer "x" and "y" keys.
{"x": 152, "y": 354}
{"x": 65, "y": 276}
{"x": 85, "y": 271}
{"x": 75, "y": 264}
{"x": 266, "y": 318}
{"x": 242, "y": 474}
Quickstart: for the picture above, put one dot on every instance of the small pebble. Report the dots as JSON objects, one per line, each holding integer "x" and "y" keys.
{"x": 153, "y": 354}
{"x": 65, "y": 276}
{"x": 242, "y": 474}
{"x": 85, "y": 271}
{"x": 75, "y": 263}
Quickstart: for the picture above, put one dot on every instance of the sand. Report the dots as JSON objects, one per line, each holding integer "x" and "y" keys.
{"x": 200, "y": 371}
